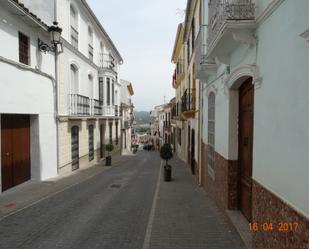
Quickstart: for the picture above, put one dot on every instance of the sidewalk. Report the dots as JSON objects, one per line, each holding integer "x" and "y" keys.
{"x": 186, "y": 218}
{"x": 31, "y": 192}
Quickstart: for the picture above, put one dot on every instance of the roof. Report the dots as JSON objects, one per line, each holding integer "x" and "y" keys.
{"x": 24, "y": 9}
{"x": 101, "y": 27}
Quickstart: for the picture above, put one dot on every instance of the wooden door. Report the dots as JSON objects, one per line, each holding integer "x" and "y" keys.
{"x": 75, "y": 147}
{"x": 246, "y": 103}
{"x": 188, "y": 148}
{"x": 15, "y": 150}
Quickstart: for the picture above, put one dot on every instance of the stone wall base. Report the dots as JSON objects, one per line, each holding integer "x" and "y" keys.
{"x": 268, "y": 208}
{"x": 222, "y": 186}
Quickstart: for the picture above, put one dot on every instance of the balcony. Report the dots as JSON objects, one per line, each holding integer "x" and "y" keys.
{"x": 188, "y": 103}
{"x": 108, "y": 110}
{"x": 107, "y": 62}
{"x": 116, "y": 110}
{"x": 203, "y": 66}
{"x": 230, "y": 24}
{"x": 96, "y": 107}
{"x": 79, "y": 105}
{"x": 180, "y": 72}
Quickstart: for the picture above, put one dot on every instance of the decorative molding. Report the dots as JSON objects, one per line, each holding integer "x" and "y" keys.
{"x": 211, "y": 88}
{"x": 244, "y": 37}
{"x": 305, "y": 35}
{"x": 243, "y": 71}
{"x": 268, "y": 11}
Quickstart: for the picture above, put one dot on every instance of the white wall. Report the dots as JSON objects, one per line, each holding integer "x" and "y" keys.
{"x": 281, "y": 116}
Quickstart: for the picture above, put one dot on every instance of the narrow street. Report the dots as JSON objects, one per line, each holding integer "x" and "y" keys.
{"x": 128, "y": 206}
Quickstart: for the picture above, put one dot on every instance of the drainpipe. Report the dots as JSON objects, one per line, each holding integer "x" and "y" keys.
{"x": 56, "y": 93}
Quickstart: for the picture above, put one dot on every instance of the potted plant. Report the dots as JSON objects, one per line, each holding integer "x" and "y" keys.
{"x": 109, "y": 148}
{"x": 135, "y": 147}
{"x": 166, "y": 153}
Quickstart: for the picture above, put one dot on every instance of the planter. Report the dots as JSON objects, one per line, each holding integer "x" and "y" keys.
{"x": 167, "y": 173}
{"x": 108, "y": 161}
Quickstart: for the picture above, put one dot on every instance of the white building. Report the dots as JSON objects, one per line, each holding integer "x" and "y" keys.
{"x": 126, "y": 113}
{"x": 27, "y": 104}
{"x": 253, "y": 64}
{"x": 89, "y": 88}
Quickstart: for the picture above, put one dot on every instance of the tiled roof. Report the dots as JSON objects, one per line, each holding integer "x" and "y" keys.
{"x": 29, "y": 12}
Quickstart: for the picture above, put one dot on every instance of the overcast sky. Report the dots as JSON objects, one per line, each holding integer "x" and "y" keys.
{"x": 144, "y": 33}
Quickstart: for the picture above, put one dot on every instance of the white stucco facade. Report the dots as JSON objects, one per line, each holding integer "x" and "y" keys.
{"x": 29, "y": 89}
{"x": 275, "y": 55}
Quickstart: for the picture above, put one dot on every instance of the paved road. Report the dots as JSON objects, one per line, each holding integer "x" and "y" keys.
{"x": 114, "y": 209}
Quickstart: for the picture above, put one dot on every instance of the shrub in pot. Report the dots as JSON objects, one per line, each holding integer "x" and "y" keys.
{"x": 166, "y": 153}
{"x": 109, "y": 148}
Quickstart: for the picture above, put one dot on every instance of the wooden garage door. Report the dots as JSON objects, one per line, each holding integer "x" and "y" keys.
{"x": 246, "y": 101}
{"x": 15, "y": 150}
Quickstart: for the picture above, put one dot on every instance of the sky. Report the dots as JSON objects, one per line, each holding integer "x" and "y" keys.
{"x": 144, "y": 33}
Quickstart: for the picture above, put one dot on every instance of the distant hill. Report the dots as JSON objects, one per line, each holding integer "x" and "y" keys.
{"x": 142, "y": 117}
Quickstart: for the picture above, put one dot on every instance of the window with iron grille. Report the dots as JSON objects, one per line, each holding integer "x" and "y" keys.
{"x": 91, "y": 145}
{"x": 101, "y": 90}
{"x": 75, "y": 147}
{"x": 211, "y": 134}
{"x": 116, "y": 133}
{"x": 113, "y": 92}
{"x": 24, "y": 49}
{"x": 74, "y": 27}
{"x": 108, "y": 91}
{"x": 110, "y": 133}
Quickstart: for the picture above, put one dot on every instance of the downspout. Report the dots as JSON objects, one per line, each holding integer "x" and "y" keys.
{"x": 56, "y": 93}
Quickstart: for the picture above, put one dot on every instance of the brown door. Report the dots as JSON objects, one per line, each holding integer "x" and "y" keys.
{"x": 246, "y": 102}
{"x": 15, "y": 150}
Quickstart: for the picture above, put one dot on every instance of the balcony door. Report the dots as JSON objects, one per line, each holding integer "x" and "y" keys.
{"x": 74, "y": 80}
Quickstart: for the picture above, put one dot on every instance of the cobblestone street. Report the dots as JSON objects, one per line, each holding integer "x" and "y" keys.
{"x": 128, "y": 206}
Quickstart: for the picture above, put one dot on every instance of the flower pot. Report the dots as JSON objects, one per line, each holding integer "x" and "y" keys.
{"x": 108, "y": 161}
{"x": 167, "y": 173}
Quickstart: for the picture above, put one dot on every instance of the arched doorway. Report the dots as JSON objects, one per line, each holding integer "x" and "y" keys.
{"x": 245, "y": 147}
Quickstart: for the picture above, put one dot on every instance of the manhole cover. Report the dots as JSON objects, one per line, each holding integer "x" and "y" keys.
{"x": 115, "y": 185}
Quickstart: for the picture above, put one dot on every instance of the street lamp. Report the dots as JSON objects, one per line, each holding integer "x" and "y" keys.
{"x": 55, "y": 38}
{"x": 55, "y": 33}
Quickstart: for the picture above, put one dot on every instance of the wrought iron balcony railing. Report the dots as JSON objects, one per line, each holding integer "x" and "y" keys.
{"x": 188, "y": 100}
{"x": 221, "y": 11}
{"x": 96, "y": 107}
{"x": 79, "y": 105}
{"x": 107, "y": 61}
{"x": 116, "y": 110}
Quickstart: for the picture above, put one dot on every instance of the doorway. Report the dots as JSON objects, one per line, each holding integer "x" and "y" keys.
{"x": 246, "y": 104}
{"x": 102, "y": 138}
{"x": 75, "y": 147}
{"x": 15, "y": 150}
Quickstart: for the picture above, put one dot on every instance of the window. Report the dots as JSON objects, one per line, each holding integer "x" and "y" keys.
{"x": 75, "y": 147}
{"x": 90, "y": 78}
{"x": 108, "y": 91}
{"x": 91, "y": 146}
{"x": 113, "y": 92}
{"x": 74, "y": 79}
{"x": 24, "y": 49}
{"x": 110, "y": 132}
{"x": 116, "y": 133}
{"x": 90, "y": 43}
{"x": 74, "y": 27}
{"x": 101, "y": 90}
{"x": 211, "y": 134}
{"x": 179, "y": 136}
